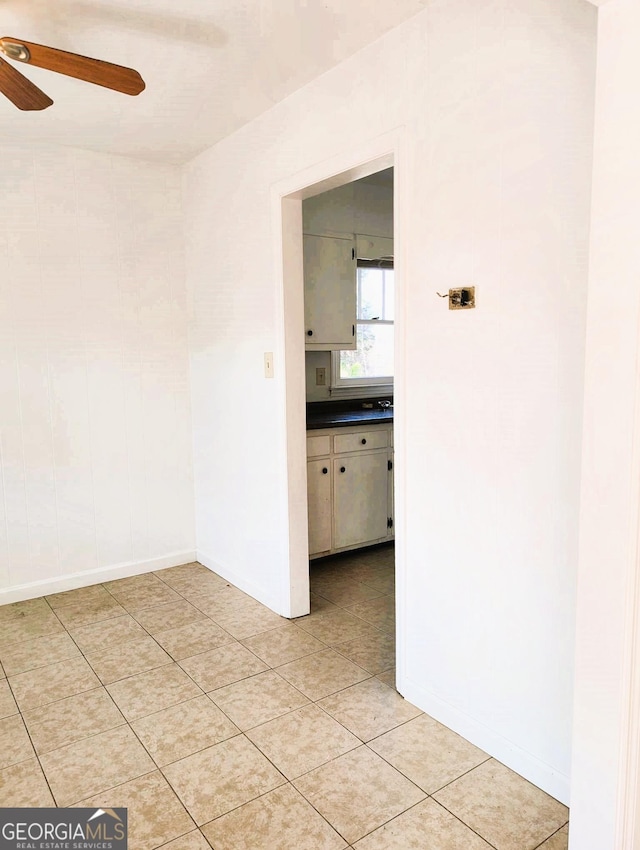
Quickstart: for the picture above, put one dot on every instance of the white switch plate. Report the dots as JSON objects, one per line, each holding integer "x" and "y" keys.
{"x": 268, "y": 364}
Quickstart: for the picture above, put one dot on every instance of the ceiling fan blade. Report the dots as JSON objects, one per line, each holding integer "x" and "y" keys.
{"x": 21, "y": 91}
{"x": 106, "y": 74}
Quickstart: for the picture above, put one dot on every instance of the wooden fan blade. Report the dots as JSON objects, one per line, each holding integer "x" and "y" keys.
{"x": 21, "y": 91}
{"x": 106, "y": 74}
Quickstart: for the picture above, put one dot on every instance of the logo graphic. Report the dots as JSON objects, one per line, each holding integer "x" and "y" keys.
{"x": 63, "y": 829}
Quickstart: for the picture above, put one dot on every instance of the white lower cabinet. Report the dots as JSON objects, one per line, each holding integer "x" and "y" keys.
{"x": 319, "y": 504}
{"x": 350, "y": 488}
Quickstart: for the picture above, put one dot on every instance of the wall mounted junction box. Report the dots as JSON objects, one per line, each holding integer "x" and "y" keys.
{"x": 462, "y": 299}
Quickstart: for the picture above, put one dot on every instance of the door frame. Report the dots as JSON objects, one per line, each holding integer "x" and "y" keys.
{"x": 359, "y": 161}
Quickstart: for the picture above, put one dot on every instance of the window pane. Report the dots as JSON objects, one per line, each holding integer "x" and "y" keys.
{"x": 374, "y": 356}
{"x": 370, "y": 293}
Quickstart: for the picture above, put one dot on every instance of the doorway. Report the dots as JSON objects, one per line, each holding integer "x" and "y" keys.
{"x": 376, "y": 156}
{"x": 349, "y": 289}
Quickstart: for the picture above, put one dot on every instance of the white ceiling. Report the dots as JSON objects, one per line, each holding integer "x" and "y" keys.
{"x": 209, "y": 66}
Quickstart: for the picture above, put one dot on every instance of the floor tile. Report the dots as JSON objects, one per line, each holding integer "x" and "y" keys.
{"x": 249, "y": 620}
{"x": 72, "y": 719}
{"x": 378, "y": 612}
{"x": 385, "y": 582}
{"x": 146, "y": 596}
{"x": 182, "y": 571}
{"x": 502, "y": 807}
{"x": 171, "y": 615}
{"x": 53, "y": 682}
{"x": 192, "y": 841}
{"x": 80, "y": 596}
{"x": 322, "y": 673}
{"x": 388, "y": 677}
{"x": 84, "y": 768}
{"x": 257, "y": 699}
{"x": 279, "y": 646}
{"x": 193, "y": 638}
{"x": 20, "y": 612}
{"x": 344, "y": 591}
{"x": 369, "y": 709}
{"x": 358, "y": 792}
{"x": 219, "y": 667}
{"x": 29, "y": 654}
{"x": 559, "y": 841}
{"x": 23, "y": 785}
{"x": 7, "y": 703}
{"x": 149, "y": 692}
{"x": 155, "y": 815}
{"x": 426, "y": 825}
{"x": 220, "y": 602}
{"x": 335, "y": 626}
{"x": 429, "y": 754}
{"x": 317, "y": 604}
{"x": 96, "y": 636}
{"x": 183, "y": 729}
{"x": 82, "y": 613}
{"x": 302, "y": 740}
{"x": 127, "y": 659}
{"x": 196, "y": 584}
{"x": 218, "y": 779}
{"x": 15, "y": 745}
{"x": 375, "y": 653}
{"x": 279, "y": 820}
{"x": 26, "y": 621}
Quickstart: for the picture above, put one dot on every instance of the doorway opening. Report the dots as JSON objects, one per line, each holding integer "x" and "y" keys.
{"x": 352, "y": 555}
{"x": 349, "y": 310}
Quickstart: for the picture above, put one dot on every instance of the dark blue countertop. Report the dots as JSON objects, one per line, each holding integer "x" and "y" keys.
{"x": 338, "y": 415}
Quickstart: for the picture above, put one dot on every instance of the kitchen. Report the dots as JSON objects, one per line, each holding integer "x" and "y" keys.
{"x": 349, "y": 312}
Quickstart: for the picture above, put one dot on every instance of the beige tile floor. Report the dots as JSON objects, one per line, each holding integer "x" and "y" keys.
{"x": 219, "y": 724}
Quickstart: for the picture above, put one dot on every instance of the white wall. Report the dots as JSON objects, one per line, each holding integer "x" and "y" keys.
{"x": 357, "y": 207}
{"x": 605, "y": 754}
{"x": 95, "y": 427}
{"x": 493, "y": 100}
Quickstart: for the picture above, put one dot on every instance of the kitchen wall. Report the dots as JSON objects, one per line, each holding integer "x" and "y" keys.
{"x": 95, "y": 430}
{"x": 493, "y": 102}
{"x": 362, "y": 206}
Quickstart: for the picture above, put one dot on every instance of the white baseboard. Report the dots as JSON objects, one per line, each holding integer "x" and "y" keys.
{"x": 57, "y": 584}
{"x": 257, "y": 592}
{"x": 521, "y": 761}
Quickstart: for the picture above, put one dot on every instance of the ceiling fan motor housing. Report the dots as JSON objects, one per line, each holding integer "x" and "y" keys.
{"x": 14, "y": 50}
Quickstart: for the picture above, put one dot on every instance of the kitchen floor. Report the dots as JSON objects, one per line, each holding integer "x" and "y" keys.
{"x": 219, "y": 724}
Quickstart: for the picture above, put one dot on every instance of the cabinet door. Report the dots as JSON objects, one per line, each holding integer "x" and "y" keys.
{"x": 373, "y": 247}
{"x": 329, "y": 293}
{"x": 360, "y": 498}
{"x": 319, "y": 505}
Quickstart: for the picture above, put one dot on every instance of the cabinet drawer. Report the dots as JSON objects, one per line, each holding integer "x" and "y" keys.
{"x": 362, "y": 441}
{"x": 318, "y": 446}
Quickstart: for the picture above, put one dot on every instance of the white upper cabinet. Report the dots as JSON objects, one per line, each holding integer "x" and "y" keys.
{"x": 329, "y": 293}
{"x": 374, "y": 247}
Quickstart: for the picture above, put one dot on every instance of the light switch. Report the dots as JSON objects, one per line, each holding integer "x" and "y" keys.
{"x": 268, "y": 364}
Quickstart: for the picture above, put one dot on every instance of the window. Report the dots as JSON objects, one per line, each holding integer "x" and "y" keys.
{"x": 372, "y": 361}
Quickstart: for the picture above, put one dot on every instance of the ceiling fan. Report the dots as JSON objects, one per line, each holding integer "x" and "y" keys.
{"x": 25, "y": 95}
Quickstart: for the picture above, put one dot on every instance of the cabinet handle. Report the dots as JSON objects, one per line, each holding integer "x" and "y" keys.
{"x": 324, "y": 470}
{"x": 363, "y": 441}
{"x": 309, "y": 333}
{"x": 343, "y": 469}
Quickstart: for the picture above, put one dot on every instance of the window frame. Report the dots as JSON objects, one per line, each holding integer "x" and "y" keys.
{"x": 347, "y": 386}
